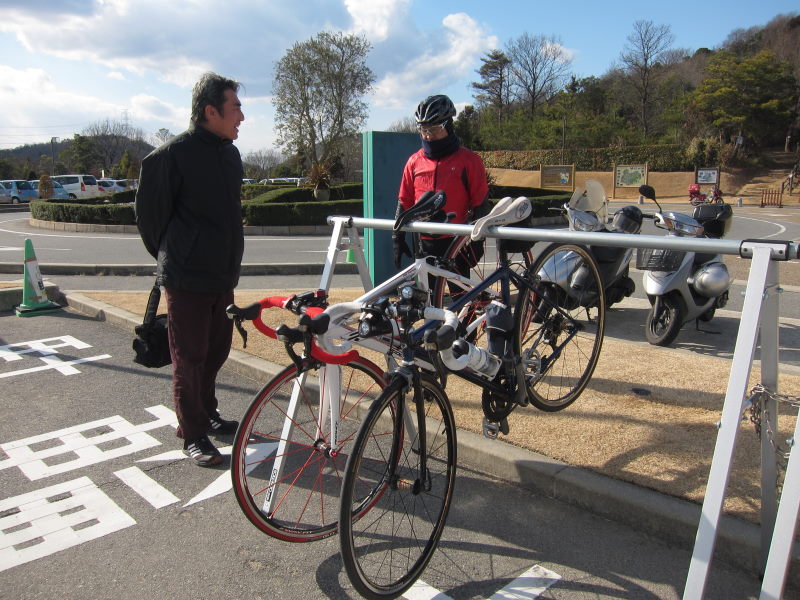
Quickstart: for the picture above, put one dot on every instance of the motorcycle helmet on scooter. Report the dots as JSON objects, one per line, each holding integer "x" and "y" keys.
{"x": 627, "y": 220}
{"x": 711, "y": 280}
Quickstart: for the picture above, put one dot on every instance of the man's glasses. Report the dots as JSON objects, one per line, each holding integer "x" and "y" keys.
{"x": 433, "y": 129}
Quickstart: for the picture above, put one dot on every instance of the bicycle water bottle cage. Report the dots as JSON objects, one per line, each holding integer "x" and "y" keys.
{"x": 505, "y": 212}
{"x": 428, "y": 205}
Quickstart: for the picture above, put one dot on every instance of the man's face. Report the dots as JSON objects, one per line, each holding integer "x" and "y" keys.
{"x": 432, "y": 132}
{"x": 225, "y": 124}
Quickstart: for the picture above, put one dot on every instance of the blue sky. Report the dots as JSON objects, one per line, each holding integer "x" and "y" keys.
{"x": 65, "y": 64}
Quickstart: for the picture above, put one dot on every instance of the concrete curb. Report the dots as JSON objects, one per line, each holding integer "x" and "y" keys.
{"x": 11, "y": 297}
{"x": 150, "y": 270}
{"x": 670, "y": 519}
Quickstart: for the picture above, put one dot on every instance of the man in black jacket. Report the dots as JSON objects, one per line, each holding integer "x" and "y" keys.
{"x": 188, "y": 211}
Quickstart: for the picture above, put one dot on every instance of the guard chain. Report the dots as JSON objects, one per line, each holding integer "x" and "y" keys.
{"x": 757, "y": 395}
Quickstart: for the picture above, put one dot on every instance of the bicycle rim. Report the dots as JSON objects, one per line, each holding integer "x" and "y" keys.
{"x": 385, "y": 550}
{"x": 462, "y": 252}
{"x": 560, "y": 333}
{"x": 286, "y": 472}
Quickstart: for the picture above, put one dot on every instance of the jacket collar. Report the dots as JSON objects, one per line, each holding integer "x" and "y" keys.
{"x": 207, "y": 136}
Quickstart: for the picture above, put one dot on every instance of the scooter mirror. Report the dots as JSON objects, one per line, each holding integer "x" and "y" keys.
{"x": 647, "y": 191}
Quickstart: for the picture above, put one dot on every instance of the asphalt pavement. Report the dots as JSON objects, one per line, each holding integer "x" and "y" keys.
{"x": 670, "y": 521}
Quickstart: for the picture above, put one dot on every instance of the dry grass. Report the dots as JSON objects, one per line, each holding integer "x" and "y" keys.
{"x": 663, "y": 440}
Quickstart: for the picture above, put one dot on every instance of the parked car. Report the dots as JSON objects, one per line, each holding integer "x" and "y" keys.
{"x": 248, "y": 181}
{"x": 59, "y": 193}
{"x": 111, "y": 186}
{"x": 5, "y": 195}
{"x": 78, "y": 186}
{"x": 21, "y": 190}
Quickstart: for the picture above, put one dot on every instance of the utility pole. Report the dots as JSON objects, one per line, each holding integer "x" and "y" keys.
{"x": 53, "y": 142}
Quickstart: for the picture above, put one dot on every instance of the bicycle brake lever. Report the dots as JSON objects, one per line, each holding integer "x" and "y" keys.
{"x": 242, "y": 331}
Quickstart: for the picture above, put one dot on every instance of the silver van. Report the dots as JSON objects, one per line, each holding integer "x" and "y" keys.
{"x": 78, "y": 186}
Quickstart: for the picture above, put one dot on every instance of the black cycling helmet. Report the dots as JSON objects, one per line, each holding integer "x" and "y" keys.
{"x": 435, "y": 110}
{"x": 627, "y": 220}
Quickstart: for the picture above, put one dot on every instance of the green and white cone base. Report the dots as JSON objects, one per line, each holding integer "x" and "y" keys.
{"x": 34, "y": 297}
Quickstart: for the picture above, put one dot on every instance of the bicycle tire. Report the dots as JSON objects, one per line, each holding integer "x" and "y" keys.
{"x": 480, "y": 267}
{"x": 303, "y": 496}
{"x": 387, "y": 549}
{"x": 558, "y": 340}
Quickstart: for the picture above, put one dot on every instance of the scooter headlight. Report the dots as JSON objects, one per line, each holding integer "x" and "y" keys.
{"x": 585, "y": 221}
{"x": 682, "y": 225}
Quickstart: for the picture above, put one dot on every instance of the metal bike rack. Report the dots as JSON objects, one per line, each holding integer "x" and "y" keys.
{"x": 759, "y": 317}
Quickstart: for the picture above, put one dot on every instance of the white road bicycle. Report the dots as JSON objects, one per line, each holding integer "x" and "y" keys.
{"x": 293, "y": 442}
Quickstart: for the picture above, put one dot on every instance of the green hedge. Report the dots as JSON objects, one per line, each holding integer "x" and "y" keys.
{"x": 671, "y": 157}
{"x": 83, "y": 212}
{"x": 299, "y": 213}
{"x": 283, "y": 194}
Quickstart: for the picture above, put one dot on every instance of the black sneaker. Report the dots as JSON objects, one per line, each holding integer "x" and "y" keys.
{"x": 217, "y": 424}
{"x": 202, "y": 452}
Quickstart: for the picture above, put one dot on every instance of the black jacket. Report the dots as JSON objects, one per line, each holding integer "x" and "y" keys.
{"x": 188, "y": 211}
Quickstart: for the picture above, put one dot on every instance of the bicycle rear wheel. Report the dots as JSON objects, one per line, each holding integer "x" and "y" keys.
{"x": 465, "y": 257}
{"x": 386, "y": 550}
{"x": 560, "y": 323}
{"x": 286, "y": 469}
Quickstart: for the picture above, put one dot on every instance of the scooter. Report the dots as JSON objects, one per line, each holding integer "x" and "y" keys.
{"x": 696, "y": 197}
{"x": 587, "y": 210}
{"x": 683, "y": 286}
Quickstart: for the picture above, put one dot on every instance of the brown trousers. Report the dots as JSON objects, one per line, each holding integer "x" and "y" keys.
{"x": 199, "y": 342}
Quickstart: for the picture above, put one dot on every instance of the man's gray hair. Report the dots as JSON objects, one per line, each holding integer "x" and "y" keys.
{"x": 210, "y": 89}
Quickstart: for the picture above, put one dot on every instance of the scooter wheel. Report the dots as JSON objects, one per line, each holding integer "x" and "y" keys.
{"x": 664, "y": 321}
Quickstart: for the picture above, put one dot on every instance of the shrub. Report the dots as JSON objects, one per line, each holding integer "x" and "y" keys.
{"x": 300, "y": 213}
{"x": 83, "y": 212}
{"x": 667, "y": 157}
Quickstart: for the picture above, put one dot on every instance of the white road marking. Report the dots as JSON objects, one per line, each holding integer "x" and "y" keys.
{"x": 530, "y": 584}
{"x": 148, "y": 488}
{"x": 86, "y": 443}
{"x": 422, "y": 591}
{"x": 40, "y": 523}
{"x": 781, "y": 228}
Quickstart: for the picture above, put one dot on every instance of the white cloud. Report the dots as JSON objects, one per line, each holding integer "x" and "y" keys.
{"x": 375, "y": 18}
{"x": 116, "y": 75}
{"x": 439, "y": 66}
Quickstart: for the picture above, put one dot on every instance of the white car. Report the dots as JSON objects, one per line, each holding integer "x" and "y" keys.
{"x": 111, "y": 186}
{"x": 78, "y": 186}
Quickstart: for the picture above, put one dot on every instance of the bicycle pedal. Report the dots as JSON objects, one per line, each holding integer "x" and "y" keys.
{"x": 491, "y": 430}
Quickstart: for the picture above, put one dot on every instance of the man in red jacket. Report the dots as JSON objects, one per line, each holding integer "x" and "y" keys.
{"x": 441, "y": 164}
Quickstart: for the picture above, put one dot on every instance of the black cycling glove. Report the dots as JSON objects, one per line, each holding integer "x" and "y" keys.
{"x": 400, "y": 247}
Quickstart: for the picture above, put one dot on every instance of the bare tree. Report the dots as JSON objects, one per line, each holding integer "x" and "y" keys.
{"x": 646, "y": 50}
{"x": 162, "y": 136}
{"x": 404, "y": 125}
{"x": 259, "y": 163}
{"x": 111, "y": 139}
{"x": 539, "y": 68}
{"x": 318, "y": 88}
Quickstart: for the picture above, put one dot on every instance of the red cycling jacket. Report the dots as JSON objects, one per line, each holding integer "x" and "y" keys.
{"x": 461, "y": 175}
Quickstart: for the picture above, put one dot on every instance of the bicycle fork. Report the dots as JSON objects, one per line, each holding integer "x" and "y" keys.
{"x": 415, "y": 429}
{"x": 329, "y": 409}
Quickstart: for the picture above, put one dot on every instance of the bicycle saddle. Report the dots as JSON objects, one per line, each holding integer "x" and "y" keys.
{"x": 505, "y": 212}
{"x": 427, "y": 206}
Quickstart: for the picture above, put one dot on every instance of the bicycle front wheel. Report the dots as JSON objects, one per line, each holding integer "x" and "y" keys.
{"x": 386, "y": 550}
{"x": 560, "y": 323}
{"x": 286, "y": 464}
